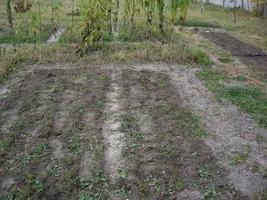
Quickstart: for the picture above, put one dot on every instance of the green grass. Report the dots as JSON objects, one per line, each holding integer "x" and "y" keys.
{"x": 249, "y": 99}
{"x": 201, "y": 57}
{"x": 226, "y": 59}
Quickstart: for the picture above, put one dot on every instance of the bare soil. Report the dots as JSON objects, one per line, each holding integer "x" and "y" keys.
{"x": 124, "y": 132}
{"x": 246, "y": 52}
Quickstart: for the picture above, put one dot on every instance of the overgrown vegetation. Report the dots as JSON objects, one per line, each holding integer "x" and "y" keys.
{"x": 101, "y": 22}
{"x": 114, "y": 52}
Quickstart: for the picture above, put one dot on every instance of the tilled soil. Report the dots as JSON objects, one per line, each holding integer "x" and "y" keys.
{"x": 247, "y": 53}
{"x": 117, "y": 132}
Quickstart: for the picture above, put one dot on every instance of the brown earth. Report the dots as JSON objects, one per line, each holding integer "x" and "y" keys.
{"x": 117, "y": 132}
{"x": 245, "y": 52}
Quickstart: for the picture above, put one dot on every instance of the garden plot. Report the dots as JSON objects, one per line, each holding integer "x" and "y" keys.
{"x": 247, "y": 53}
{"x": 124, "y": 132}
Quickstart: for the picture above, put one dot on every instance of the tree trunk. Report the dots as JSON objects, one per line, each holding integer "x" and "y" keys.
{"x": 9, "y": 13}
{"x": 265, "y": 10}
{"x": 235, "y": 14}
{"x": 133, "y": 16}
{"x": 202, "y": 7}
{"x": 52, "y": 13}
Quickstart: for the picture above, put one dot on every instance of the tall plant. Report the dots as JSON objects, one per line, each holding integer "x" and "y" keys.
{"x": 149, "y": 6}
{"x": 55, "y": 4}
{"x": 100, "y": 16}
{"x": 95, "y": 14}
{"x": 183, "y": 7}
{"x": 9, "y": 13}
{"x": 133, "y": 15}
{"x": 160, "y": 6}
{"x": 116, "y": 14}
{"x": 174, "y": 10}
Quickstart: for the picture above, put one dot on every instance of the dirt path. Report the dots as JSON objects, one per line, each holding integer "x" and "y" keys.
{"x": 117, "y": 132}
{"x": 111, "y": 130}
{"x": 247, "y": 53}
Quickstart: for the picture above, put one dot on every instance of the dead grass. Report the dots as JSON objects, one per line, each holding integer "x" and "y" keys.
{"x": 113, "y": 52}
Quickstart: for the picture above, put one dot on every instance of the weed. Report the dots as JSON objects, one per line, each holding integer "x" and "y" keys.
{"x": 122, "y": 173}
{"x": 37, "y": 152}
{"x": 32, "y": 185}
{"x": 203, "y": 173}
{"x": 128, "y": 121}
{"x": 48, "y": 122}
{"x": 200, "y": 57}
{"x": 36, "y": 183}
{"x": 98, "y": 149}
{"x": 194, "y": 155}
{"x": 138, "y": 136}
{"x": 154, "y": 182}
{"x": 180, "y": 186}
{"x": 168, "y": 192}
{"x": 86, "y": 183}
{"x": 100, "y": 103}
{"x": 5, "y": 143}
{"x": 210, "y": 192}
{"x": 84, "y": 196}
{"x": 195, "y": 126}
{"x": 95, "y": 187}
{"x": 75, "y": 144}
{"x": 22, "y": 123}
{"x": 53, "y": 171}
{"x": 240, "y": 156}
{"x": 70, "y": 159}
{"x": 70, "y": 178}
{"x": 167, "y": 153}
{"x": 104, "y": 77}
{"x": 162, "y": 83}
{"x": 124, "y": 192}
{"x": 255, "y": 168}
{"x": 82, "y": 110}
